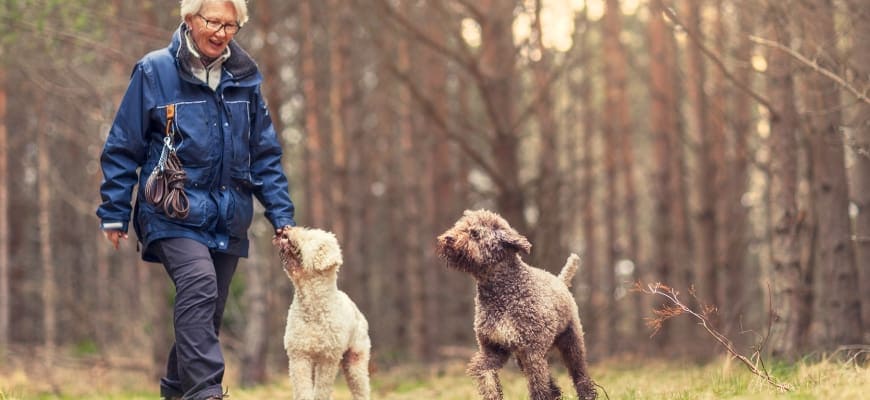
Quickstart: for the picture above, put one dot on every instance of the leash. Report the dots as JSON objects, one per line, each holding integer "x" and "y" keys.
{"x": 165, "y": 186}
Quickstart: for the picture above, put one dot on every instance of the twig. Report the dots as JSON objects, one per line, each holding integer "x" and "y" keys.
{"x": 677, "y": 307}
{"x": 607, "y": 396}
{"x": 717, "y": 61}
{"x": 815, "y": 66}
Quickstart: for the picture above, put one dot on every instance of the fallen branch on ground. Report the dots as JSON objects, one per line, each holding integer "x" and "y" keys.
{"x": 676, "y": 307}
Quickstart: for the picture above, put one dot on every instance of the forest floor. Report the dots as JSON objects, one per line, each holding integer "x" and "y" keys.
{"x": 649, "y": 379}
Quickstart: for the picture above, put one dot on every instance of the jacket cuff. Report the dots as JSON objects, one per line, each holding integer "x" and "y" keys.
{"x": 282, "y": 222}
{"x": 113, "y": 226}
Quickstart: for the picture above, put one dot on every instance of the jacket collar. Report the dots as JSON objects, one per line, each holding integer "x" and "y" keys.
{"x": 238, "y": 63}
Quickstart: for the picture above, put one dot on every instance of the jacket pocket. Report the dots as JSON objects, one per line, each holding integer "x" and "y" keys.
{"x": 195, "y": 140}
{"x": 243, "y": 203}
{"x": 240, "y": 131}
{"x": 202, "y": 212}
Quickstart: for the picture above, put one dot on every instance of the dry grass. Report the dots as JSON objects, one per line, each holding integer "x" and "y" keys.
{"x": 26, "y": 378}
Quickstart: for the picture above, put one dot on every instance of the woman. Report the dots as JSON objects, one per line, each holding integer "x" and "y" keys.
{"x": 202, "y": 92}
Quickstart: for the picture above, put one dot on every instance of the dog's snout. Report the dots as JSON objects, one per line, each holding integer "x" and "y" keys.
{"x": 446, "y": 239}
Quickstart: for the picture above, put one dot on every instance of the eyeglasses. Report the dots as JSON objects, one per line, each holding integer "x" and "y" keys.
{"x": 215, "y": 26}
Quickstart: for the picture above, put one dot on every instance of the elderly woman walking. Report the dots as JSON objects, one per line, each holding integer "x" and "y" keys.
{"x": 195, "y": 134}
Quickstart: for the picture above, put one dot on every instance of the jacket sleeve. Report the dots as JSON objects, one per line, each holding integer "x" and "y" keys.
{"x": 271, "y": 187}
{"x": 124, "y": 152}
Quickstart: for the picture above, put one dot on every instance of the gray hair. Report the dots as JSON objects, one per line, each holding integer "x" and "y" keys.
{"x": 191, "y": 7}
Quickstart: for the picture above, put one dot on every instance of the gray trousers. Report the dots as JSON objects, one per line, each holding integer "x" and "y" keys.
{"x": 195, "y": 367}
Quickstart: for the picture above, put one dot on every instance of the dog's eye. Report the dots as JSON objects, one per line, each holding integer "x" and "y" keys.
{"x": 475, "y": 234}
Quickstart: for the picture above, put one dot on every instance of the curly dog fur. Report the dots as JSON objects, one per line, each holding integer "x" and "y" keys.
{"x": 325, "y": 329}
{"x": 519, "y": 309}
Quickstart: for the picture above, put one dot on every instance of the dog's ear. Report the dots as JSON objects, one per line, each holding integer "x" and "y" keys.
{"x": 326, "y": 253}
{"x": 512, "y": 239}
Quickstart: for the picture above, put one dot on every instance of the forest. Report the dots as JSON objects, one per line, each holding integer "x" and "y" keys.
{"x": 720, "y": 148}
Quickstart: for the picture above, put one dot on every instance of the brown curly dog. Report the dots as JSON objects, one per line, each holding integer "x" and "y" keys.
{"x": 519, "y": 309}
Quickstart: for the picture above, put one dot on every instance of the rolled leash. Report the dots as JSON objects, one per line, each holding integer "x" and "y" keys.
{"x": 165, "y": 186}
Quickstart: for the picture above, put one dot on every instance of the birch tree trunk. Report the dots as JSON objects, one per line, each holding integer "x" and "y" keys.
{"x": 835, "y": 254}
{"x": 785, "y": 218}
{"x": 860, "y": 182}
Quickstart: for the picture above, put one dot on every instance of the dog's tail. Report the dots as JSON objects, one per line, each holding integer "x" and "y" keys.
{"x": 569, "y": 269}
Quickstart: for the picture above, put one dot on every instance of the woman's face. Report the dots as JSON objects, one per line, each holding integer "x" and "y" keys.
{"x": 213, "y": 27}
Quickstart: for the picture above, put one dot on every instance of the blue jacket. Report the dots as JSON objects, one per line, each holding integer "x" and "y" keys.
{"x": 228, "y": 148}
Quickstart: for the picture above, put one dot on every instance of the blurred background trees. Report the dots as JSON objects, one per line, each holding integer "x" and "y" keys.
{"x": 675, "y": 141}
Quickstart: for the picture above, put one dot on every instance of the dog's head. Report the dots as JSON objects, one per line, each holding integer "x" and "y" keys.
{"x": 479, "y": 239}
{"x": 306, "y": 252}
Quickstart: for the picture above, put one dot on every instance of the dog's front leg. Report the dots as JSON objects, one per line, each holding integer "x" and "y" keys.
{"x": 542, "y": 386}
{"x": 301, "y": 378}
{"x": 324, "y": 377}
{"x": 483, "y": 367}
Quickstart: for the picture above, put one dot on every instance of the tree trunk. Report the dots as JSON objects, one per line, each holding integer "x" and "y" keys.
{"x": 256, "y": 306}
{"x": 340, "y": 89}
{"x": 498, "y": 79}
{"x": 589, "y": 295}
{"x": 785, "y": 218}
{"x": 459, "y": 305}
{"x": 664, "y": 116}
{"x": 622, "y": 129}
{"x": 741, "y": 280}
{"x": 441, "y": 196}
{"x": 5, "y": 300}
{"x": 271, "y": 65}
{"x": 615, "y": 115}
{"x": 315, "y": 199}
{"x": 716, "y": 187}
{"x": 860, "y": 182}
{"x": 703, "y": 222}
{"x": 548, "y": 232}
{"x": 841, "y": 304}
{"x": 46, "y": 252}
{"x": 409, "y": 227}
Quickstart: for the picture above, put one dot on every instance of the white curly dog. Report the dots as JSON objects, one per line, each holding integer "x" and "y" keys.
{"x": 325, "y": 329}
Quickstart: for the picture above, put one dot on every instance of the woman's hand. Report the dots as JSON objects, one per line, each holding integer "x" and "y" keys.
{"x": 115, "y": 237}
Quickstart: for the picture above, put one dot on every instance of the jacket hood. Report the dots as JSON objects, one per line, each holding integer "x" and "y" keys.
{"x": 240, "y": 65}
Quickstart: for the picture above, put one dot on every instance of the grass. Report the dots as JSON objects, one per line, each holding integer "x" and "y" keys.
{"x": 628, "y": 380}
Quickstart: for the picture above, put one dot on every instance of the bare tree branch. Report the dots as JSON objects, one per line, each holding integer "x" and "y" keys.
{"x": 678, "y": 307}
{"x": 472, "y": 8}
{"x": 669, "y": 11}
{"x": 464, "y": 58}
{"x": 440, "y": 120}
{"x": 859, "y": 94}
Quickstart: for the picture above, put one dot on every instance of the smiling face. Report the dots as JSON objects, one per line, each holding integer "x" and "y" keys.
{"x": 211, "y": 43}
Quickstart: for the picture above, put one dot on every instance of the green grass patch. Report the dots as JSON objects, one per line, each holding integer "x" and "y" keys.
{"x": 628, "y": 380}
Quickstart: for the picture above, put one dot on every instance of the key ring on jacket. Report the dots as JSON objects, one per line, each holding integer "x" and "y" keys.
{"x": 167, "y": 148}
